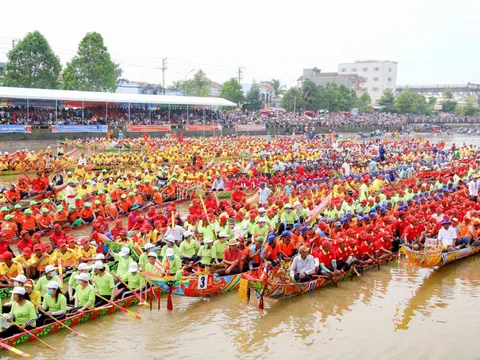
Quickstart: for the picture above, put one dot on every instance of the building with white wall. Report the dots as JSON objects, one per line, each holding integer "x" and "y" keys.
{"x": 378, "y": 75}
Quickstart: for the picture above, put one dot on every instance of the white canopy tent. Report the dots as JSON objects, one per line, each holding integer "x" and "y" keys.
{"x": 112, "y": 98}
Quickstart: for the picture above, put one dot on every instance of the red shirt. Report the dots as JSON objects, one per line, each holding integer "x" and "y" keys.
{"x": 342, "y": 255}
{"x": 232, "y": 256}
{"x": 286, "y": 249}
{"x": 270, "y": 253}
{"x": 22, "y": 244}
{"x": 324, "y": 258}
{"x": 365, "y": 249}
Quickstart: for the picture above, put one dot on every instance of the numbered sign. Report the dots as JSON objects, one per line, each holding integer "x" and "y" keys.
{"x": 202, "y": 282}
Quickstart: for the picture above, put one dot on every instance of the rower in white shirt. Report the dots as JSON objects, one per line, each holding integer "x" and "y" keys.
{"x": 447, "y": 235}
{"x": 303, "y": 265}
{"x": 472, "y": 189}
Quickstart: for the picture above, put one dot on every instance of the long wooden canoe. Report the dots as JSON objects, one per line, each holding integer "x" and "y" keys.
{"x": 428, "y": 259}
{"x": 280, "y": 290}
{"x": 74, "y": 320}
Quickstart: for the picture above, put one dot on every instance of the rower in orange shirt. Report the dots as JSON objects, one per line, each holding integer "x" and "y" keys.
{"x": 9, "y": 227}
{"x": 12, "y": 195}
{"x": 98, "y": 209}
{"x": 111, "y": 209}
{"x": 45, "y": 220}
{"x": 87, "y": 213}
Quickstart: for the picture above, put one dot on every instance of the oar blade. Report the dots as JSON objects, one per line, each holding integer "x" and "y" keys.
{"x": 14, "y": 350}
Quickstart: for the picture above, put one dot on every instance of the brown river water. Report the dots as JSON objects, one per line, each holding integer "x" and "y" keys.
{"x": 397, "y": 312}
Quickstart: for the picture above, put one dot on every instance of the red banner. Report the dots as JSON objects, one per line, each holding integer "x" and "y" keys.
{"x": 250, "y": 127}
{"x": 148, "y": 128}
{"x": 203, "y": 127}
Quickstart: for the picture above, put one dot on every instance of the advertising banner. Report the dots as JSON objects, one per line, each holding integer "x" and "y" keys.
{"x": 250, "y": 127}
{"x": 148, "y": 128}
{"x": 203, "y": 127}
{"x": 4, "y": 129}
{"x": 79, "y": 128}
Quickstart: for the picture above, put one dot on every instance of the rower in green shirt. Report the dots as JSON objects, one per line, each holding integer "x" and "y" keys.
{"x": 188, "y": 247}
{"x": 150, "y": 265}
{"x": 103, "y": 283}
{"x": 50, "y": 275}
{"x": 172, "y": 263}
{"x": 170, "y": 245}
{"x": 124, "y": 259}
{"x": 22, "y": 313}
{"x": 143, "y": 259}
{"x": 134, "y": 280}
{"x": 205, "y": 252}
{"x": 73, "y": 282}
{"x": 84, "y": 294}
{"x": 219, "y": 247}
{"x": 54, "y": 304}
{"x": 289, "y": 217}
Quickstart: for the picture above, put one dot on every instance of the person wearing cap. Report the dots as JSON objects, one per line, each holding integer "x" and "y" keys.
{"x": 64, "y": 256}
{"x": 134, "y": 280}
{"x": 288, "y": 219}
{"x": 82, "y": 268}
{"x": 54, "y": 304}
{"x": 447, "y": 235}
{"x": 232, "y": 259}
{"x": 257, "y": 251}
{"x": 44, "y": 220}
{"x": 38, "y": 262}
{"x": 101, "y": 258}
{"x": 205, "y": 252}
{"x": 286, "y": 248}
{"x": 261, "y": 228}
{"x": 25, "y": 240}
{"x": 219, "y": 247}
{"x": 152, "y": 258}
{"x": 177, "y": 232}
{"x": 24, "y": 258}
{"x": 303, "y": 266}
{"x": 22, "y": 313}
{"x": 57, "y": 234}
{"x": 189, "y": 248}
{"x": 104, "y": 283}
{"x": 325, "y": 260}
{"x": 9, "y": 227}
{"x": 84, "y": 294}
{"x": 50, "y": 275}
{"x": 172, "y": 264}
{"x": 170, "y": 244}
{"x": 464, "y": 233}
{"x": 86, "y": 252}
{"x": 124, "y": 259}
{"x": 271, "y": 251}
{"x": 9, "y": 269}
{"x": 28, "y": 221}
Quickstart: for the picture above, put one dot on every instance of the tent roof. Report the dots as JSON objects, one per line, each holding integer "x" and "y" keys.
{"x": 46, "y": 94}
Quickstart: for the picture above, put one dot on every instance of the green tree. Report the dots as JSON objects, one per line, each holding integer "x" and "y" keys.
{"x": 253, "y": 99}
{"x": 310, "y": 96}
{"x": 92, "y": 68}
{"x": 199, "y": 85}
{"x": 363, "y": 102}
{"x": 292, "y": 99}
{"x": 32, "y": 64}
{"x": 331, "y": 97}
{"x": 119, "y": 73}
{"x": 176, "y": 85}
{"x": 232, "y": 90}
{"x": 448, "y": 106}
{"x": 448, "y": 94}
{"x": 410, "y": 103}
{"x": 387, "y": 100}
{"x": 469, "y": 107}
{"x": 348, "y": 98}
{"x": 278, "y": 88}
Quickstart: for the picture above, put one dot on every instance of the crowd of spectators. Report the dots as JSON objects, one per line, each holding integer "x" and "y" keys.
{"x": 117, "y": 116}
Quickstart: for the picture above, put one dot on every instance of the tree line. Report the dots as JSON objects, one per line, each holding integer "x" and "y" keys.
{"x": 33, "y": 64}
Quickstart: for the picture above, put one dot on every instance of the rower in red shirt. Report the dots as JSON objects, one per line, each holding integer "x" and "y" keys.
{"x": 232, "y": 259}
{"x": 326, "y": 260}
{"x": 58, "y": 234}
{"x": 286, "y": 248}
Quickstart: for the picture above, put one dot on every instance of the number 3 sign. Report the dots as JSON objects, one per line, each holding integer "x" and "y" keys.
{"x": 202, "y": 282}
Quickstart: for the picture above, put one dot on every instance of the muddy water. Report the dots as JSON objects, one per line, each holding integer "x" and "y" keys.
{"x": 398, "y": 312}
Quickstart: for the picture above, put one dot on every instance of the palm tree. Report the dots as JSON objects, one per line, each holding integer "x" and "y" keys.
{"x": 176, "y": 86}
{"x": 278, "y": 88}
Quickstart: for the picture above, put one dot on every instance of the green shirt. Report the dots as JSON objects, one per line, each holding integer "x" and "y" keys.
{"x": 143, "y": 259}
{"x": 134, "y": 281}
{"x": 175, "y": 248}
{"x": 261, "y": 231}
{"x": 123, "y": 263}
{"x": 189, "y": 248}
{"x": 43, "y": 282}
{"x": 104, "y": 284}
{"x": 175, "y": 264}
{"x": 55, "y": 305}
{"x": 83, "y": 296}
{"x": 218, "y": 248}
{"x": 23, "y": 313}
{"x": 206, "y": 254}
{"x": 289, "y": 218}
{"x": 149, "y": 268}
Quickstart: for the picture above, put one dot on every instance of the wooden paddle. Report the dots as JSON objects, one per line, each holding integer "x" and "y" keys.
{"x": 63, "y": 324}
{"x": 31, "y": 334}
{"x": 141, "y": 302}
{"x": 14, "y": 350}
{"x": 122, "y": 309}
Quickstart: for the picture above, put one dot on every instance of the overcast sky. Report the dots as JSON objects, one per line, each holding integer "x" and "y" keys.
{"x": 433, "y": 41}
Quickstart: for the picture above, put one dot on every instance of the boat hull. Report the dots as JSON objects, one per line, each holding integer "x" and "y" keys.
{"x": 431, "y": 260}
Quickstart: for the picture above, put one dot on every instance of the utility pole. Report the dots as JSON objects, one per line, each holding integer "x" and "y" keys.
{"x": 13, "y": 43}
{"x": 163, "y": 68}
{"x": 240, "y": 73}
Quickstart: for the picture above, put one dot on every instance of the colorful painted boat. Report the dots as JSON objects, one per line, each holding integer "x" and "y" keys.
{"x": 428, "y": 259}
{"x": 195, "y": 286}
{"x": 279, "y": 290}
{"x": 74, "y": 320}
